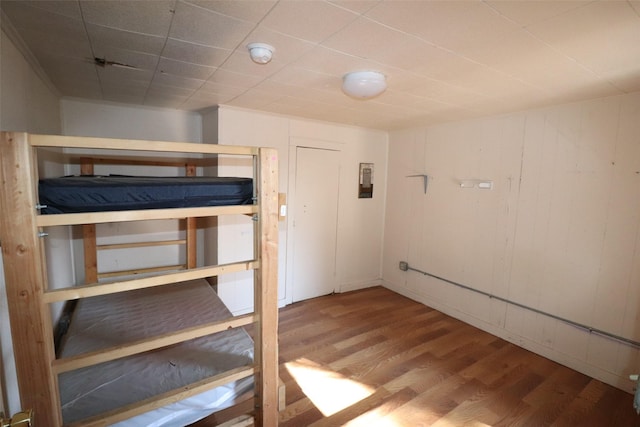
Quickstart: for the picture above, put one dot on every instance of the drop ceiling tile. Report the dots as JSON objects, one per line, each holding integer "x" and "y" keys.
{"x": 306, "y": 78}
{"x": 357, "y": 117}
{"x": 158, "y": 100}
{"x": 185, "y": 69}
{"x": 626, "y": 82}
{"x": 159, "y": 90}
{"x": 563, "y": 89}
{"x": 177, "y": 81}
{"x": 247, "y": 10}
{"x": 463, "y": 72}
{"x": 262, "y": 97}
{"x": 109, "y": 37}
{"x": 496, "y": 85}
{"x": 436, "y": 90}
{"x": 255, "y": 100}
{"x": 373, "y": 41}
{"x": 124, "y": 94}
{"x": 79, "y": 89}
{"x": 35, "y": 24}
{"x": 124, "y": 98}
{"x": 313, "y": 21}
{"x": 195, "y": 53}
{"x": 447, "y": 66}
{"x": 125, "y": 78}
{"x": 298, "y": 103}
{"x": 392, "y": 97}
{"x": 329, "y": 61}
{"x": 440, "y": 117}
{"x": 230, "y": 78}
{"x": 210, "y": 88}
{"x": 451, "y": 24}
{"x": 72, "y": 77}
{"x": 211, "y": 99}
{"x": 431, "y": 107}
{"x": 331, "y": 96}
{"x": 133, "y": 89}
{"x": 525, "y": 57}
{"x": 147, "y": 17}
{"x": 44, "y": 45}
{"x": 583, "y": 91}
{"x": 608, "y": 35}
{"x": 532, "y": 12}
{"x": 285, "y": 90}
{"x": 192, "y": 104}
{"x": 357, "y": 6}
{"x": 202, "y": 26}
{"x": 67, "y": 8}
{"x": 69, "y": 70}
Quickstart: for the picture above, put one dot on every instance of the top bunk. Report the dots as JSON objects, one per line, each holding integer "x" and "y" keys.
{"x": 77, "y": 195}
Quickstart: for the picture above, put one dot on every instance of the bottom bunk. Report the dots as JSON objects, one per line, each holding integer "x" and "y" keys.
{"x": 115, "y": 319}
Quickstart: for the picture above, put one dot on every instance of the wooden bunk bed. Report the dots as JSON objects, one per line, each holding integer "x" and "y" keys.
{"x": 23, "y": 225}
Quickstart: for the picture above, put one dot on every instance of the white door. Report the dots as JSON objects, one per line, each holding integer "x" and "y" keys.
{"x": 315, "y": 222}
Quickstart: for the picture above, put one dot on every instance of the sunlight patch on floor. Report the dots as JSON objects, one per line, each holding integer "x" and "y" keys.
{"x": 378, "y": 417}
{"x": 329, "y": 391}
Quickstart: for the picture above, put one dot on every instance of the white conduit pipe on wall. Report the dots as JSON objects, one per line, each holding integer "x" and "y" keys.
{"x": 404, "y": 266}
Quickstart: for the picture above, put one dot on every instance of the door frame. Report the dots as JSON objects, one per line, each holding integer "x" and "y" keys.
{"x": 294, "y": 144}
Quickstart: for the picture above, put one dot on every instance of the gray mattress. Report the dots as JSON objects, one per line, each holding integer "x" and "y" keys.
{"x": 109, "y": 320}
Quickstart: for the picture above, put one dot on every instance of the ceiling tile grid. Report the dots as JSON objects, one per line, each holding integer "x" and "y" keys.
{"x": 444, "y": 60}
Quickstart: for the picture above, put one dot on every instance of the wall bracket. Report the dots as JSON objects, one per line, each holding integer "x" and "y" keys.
{"x": 425, "y": 177}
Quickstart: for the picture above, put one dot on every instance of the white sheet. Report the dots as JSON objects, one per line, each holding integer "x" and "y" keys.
{"x": 109, "y": 320}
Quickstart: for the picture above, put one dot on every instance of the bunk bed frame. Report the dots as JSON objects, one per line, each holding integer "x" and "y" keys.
{"x": 91, "y": 248}
{"x": 21, "y": 232}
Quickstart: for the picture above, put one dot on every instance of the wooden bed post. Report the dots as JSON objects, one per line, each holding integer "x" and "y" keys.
{"x": 89, "y": 234}
{"x": 25, "y": 274}
{"x": 191, "y": 227}
{"x": 266, "y": 291}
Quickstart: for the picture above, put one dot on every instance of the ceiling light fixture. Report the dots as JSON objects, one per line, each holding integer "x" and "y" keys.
{"x": 364, "y": 84}
{"x": 261, "y": 53}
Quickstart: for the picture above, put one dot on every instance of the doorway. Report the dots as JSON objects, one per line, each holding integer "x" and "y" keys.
{"x": 315, "y": 222}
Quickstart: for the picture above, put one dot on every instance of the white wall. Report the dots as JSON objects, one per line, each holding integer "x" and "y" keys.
{"x": 112, "y": 120}
{"x": 235, "y": 233}
{"x": 27, "y": 103}
{"x": 559, "y": 232}
{"x": 359, "y": 246}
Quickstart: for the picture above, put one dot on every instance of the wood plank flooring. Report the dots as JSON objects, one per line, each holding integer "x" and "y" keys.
{"x": 424, "y": 368}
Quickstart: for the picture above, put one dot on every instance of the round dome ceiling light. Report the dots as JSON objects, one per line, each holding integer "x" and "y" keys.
{"x": 261, "y": 53}
{"x": 364, "y": 84}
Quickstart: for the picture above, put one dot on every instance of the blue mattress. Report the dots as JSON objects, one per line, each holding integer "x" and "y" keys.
{"x": 74, "y": 194}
